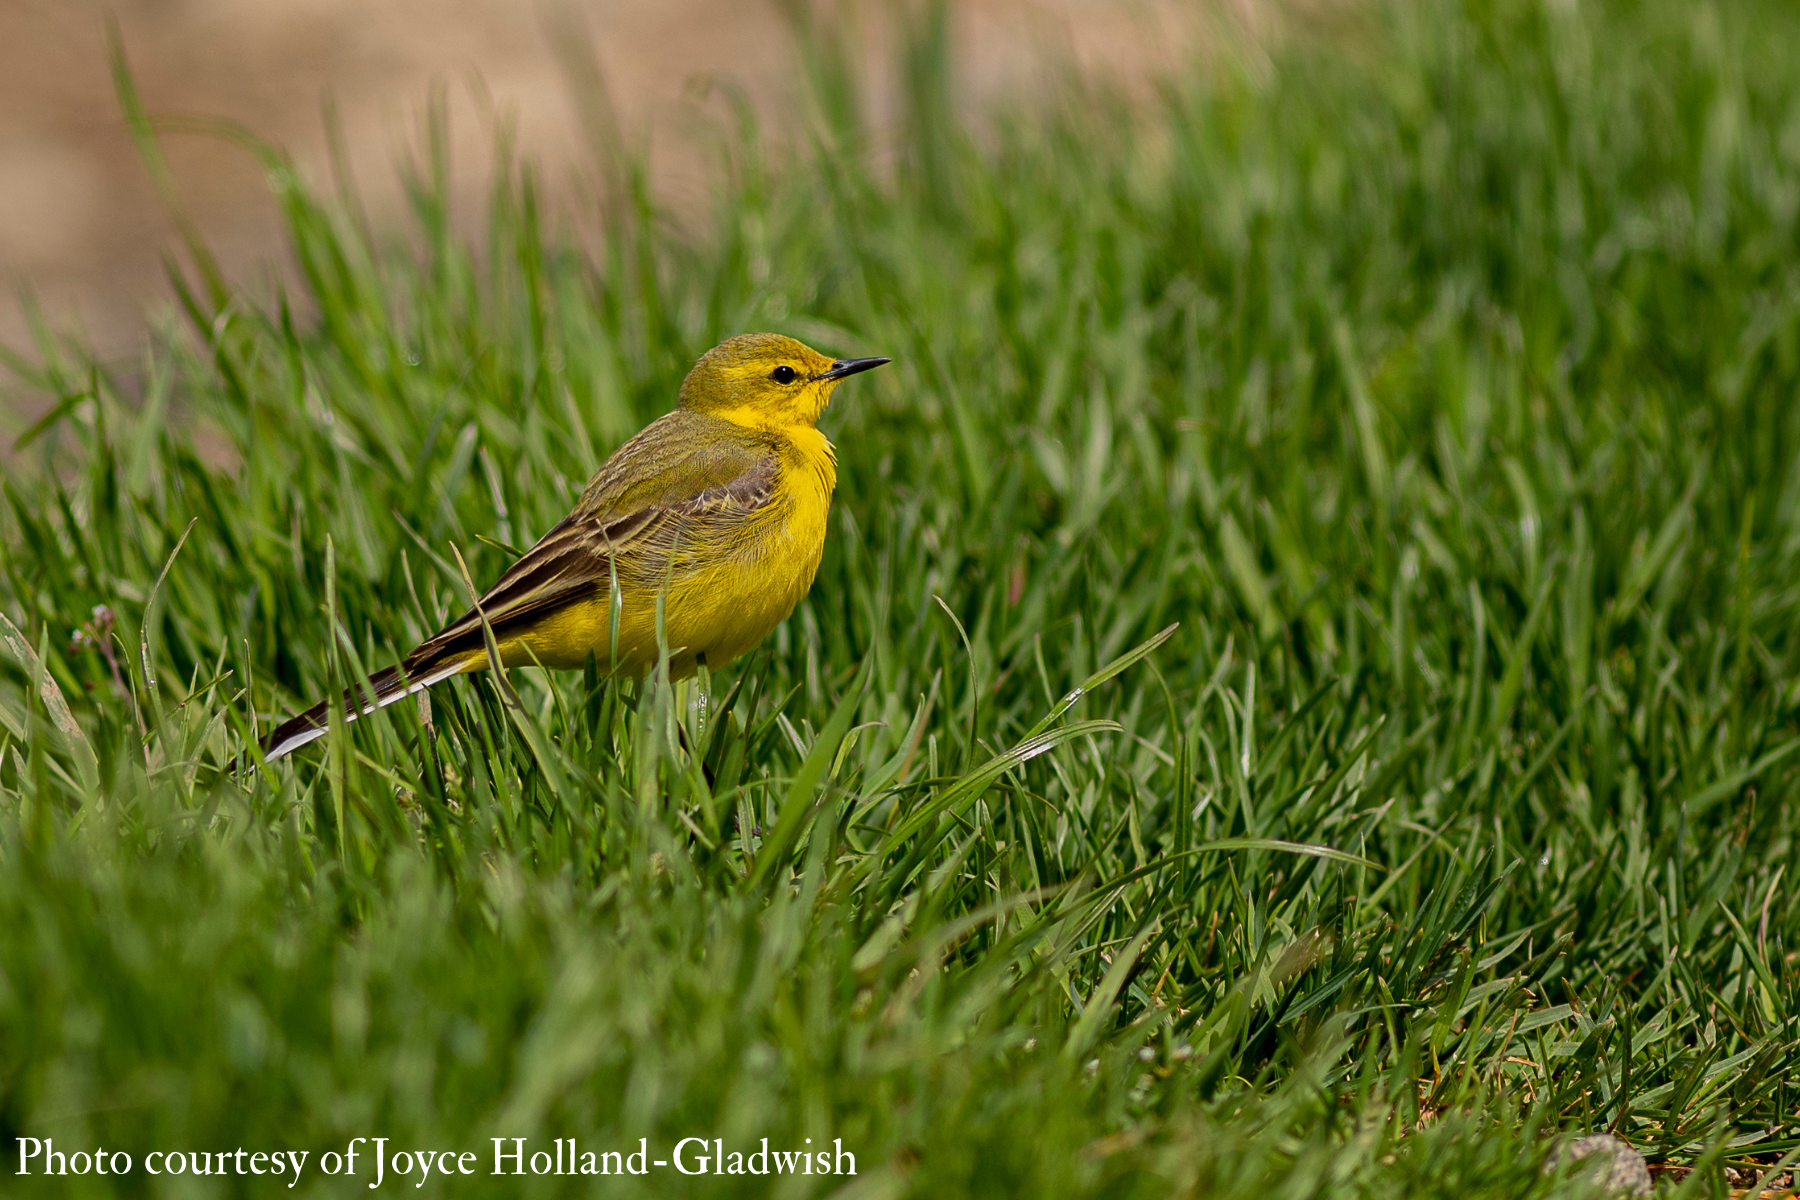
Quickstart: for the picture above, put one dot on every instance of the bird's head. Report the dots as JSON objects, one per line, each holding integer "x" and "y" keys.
{"x": 765, "y": 379}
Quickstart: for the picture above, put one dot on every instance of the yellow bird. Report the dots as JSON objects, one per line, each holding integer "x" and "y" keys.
{"x": 716, "y": 509}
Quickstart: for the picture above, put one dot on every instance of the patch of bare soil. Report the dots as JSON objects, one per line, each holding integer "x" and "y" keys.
{"x": 80, "y": 224}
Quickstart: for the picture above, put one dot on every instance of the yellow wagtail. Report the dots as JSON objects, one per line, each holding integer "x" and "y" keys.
{"x": 717, "y": 508}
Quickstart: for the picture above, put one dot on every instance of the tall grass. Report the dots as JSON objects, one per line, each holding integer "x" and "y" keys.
{"x": 1301, "y": 696}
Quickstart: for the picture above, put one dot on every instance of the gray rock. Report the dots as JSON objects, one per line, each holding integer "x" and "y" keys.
{"x": 1614, "y": 1165}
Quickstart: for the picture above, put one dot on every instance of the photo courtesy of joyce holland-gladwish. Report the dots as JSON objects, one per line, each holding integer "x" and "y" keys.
{"x": 379, "y": 1162}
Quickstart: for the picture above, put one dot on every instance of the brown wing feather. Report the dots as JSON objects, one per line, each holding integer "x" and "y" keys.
{"x": 576, "y": 559}
{"x": 676, "y": 484}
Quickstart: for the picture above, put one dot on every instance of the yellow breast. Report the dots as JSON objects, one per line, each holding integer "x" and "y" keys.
{"x": 724, "y": 611}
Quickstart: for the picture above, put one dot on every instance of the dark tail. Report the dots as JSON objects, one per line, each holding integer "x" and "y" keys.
{"x": 384, "y": 688}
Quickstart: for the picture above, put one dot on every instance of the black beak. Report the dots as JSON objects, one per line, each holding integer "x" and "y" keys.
{"x": 850, "y": 366}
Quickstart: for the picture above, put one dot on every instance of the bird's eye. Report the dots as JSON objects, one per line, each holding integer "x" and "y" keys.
{"x": 784, "y": 374}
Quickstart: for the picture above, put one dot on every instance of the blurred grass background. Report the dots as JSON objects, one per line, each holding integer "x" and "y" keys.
{"x": 1301, "y": 697}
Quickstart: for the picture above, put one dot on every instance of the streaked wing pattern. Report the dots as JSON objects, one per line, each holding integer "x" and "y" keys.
{"x": 630, "y": 516}
{"x": 575, "y": 559}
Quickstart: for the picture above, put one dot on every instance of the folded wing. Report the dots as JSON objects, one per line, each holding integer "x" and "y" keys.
{"x": 668, "y": 488}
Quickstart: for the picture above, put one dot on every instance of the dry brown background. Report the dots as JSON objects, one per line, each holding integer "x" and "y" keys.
{"x": 81, "y": 225}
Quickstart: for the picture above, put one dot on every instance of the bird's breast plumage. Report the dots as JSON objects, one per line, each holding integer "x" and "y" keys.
{"x": 735, "y": 602}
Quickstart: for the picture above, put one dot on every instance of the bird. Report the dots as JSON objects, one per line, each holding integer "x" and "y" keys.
{"x": 715, "y": 514}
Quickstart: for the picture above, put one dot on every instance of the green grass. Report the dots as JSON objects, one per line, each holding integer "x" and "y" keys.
{"x": 1439, "y": 387}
